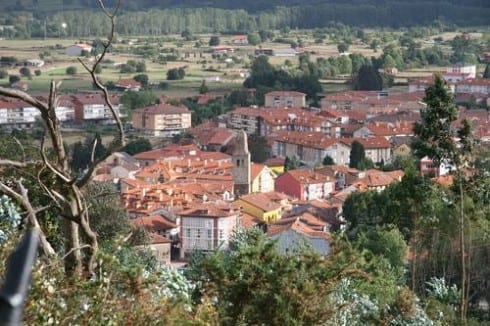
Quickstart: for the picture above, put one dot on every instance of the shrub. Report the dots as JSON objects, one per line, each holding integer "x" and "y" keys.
{"x": 3, "y": 74}
{"x": 25, "y": 72}
{"x": 13, "y": 79}
{"x": 71, "y": 70}
{"x": 127, "y": 69}
{"x": 37, "y": 72}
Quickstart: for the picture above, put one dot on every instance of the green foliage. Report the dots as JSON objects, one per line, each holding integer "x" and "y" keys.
{"x": 82, "y": 152}
{"x": 3, "y": 74}
{"x": 142, "y": 79}
{"x": 137, "y": 145}
{"x": 203, "y": 89}
{"x": 127, "y": 69}
{"x": 265, "y": 78}
{"x": 176, "y": 73}
{"x": 259, "y": 149}
{"x": 291, "y": 163}
{"x": 37, "y": 72}
{"x": 254, "y": 38}
{"x": 25, "y": 72}
{"x": 368, "y": 79}
{"x": 108, "y": 218}
{"x": 434, "y": 133}
{"x": 486, "y": 73}
{"x": 357, "y": 157}
{"x": 342, "y": 47}
{"x": 10, "y": 218}
{"x": 388, "y": 243}
{"x": 13, "y": 79}
{"x": 328, "y": 160}
{"x": 133, "y": 100}
{"x": 214, "y": 41}
{"x": 71, "y": 70}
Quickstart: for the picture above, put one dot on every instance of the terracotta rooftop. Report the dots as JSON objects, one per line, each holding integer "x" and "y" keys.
{"x": 298, "y": 226}
{"x": 154, "y": 223}
{"x": 305, "y": 176}
{"x": 163, "y": 108}
{"x": 261, "y": 201}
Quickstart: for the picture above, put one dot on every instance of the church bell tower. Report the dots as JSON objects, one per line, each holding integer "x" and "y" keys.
{"x": 241, "y": 165}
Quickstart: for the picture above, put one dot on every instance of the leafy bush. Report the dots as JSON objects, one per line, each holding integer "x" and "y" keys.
{"x": 71, "y": 70}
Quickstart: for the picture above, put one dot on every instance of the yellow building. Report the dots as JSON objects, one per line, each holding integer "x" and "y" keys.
{"x": 261, "y": 206}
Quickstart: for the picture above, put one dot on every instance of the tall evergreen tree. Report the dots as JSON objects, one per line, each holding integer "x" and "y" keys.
{"x": 368, "y": 79}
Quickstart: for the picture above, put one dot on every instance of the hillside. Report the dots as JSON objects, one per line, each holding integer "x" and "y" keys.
{"x": 307, "y": 13}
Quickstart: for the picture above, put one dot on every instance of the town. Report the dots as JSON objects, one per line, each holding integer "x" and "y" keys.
{"x": 259, "y": 163}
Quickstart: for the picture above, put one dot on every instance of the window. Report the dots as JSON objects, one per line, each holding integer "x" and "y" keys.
{"x": 210, "y": 233}
{"x": 198, "y": 233}
{"x": 221, "y": 234}
{"x": 237, "y": 162}
{"x": 188, "y": 233}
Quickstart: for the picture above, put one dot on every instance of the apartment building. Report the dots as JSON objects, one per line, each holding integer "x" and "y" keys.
{"x": 207, "y": 226}
{"x": 162, "y": 119}
{"x": 285, "y": 99}
{"x": 92, "y": 108}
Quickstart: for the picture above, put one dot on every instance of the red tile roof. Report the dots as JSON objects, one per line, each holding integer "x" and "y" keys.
{"x": 163, "y": 108}
{"x": 305, "y": 176}
{"x": 285, "y": 93}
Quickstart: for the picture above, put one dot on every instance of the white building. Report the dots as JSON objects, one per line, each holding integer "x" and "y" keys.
{"x": 207, "y": 227}
{"x": 461, "y": 68}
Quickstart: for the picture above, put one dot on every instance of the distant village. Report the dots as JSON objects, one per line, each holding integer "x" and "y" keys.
{"x": 192, "y": 195}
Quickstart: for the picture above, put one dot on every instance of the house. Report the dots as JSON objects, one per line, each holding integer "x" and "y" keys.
{"x": 128, "y": 84}
{"x": 295, "y": 234}
{"x": 305, "y": 184}
{"x": 92, "y": 108}
{"x": 78, "y": 49}
{"x": 286, "y": 99}
{"x": 207, "y": 227}
{"x": 210, "y": 137}
{"x": 118, "y": 165}
{"x": 222, "y": 49}
{"x": 260, "y": 206}
{"x": 318, "y": 214}
{"x": 158, "y": 224}
{"x": 462, "y": 68}
{"x": 162, "y": 119}
{"x": 34, "y": 63}
{"x": 428, "y": 167}
{"x": 261, "y": 177}
{"x": 343, "y": 175}
{"x": 239, "y": 40}
{"x": 377, "y": 180}
{"x": 310, "y": 148}
{"x": 17, "y": 114}
{"x": 160, "y": 247}
{"x": 276, "y": 164}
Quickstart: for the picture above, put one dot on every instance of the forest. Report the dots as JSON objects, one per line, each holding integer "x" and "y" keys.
{"x": 165, "y": 17}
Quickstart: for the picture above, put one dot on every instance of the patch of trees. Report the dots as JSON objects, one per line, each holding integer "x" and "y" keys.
{"x": 265, "y": 78}
{"x": 133, "y": 100}
{"x": 226, "y": 16}
{"x": 176, "y": 73}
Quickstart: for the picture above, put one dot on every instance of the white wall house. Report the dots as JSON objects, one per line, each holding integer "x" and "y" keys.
{"x": 207, "y": 227}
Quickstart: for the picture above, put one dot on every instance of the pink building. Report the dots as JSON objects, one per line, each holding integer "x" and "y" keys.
{"x": 305, "y": 184}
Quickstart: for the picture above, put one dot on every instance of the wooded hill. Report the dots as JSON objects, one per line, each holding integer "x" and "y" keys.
{"x": 302, "y": 14}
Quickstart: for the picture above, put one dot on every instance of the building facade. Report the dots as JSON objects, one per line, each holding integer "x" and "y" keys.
{"x": 162, "y": 119}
